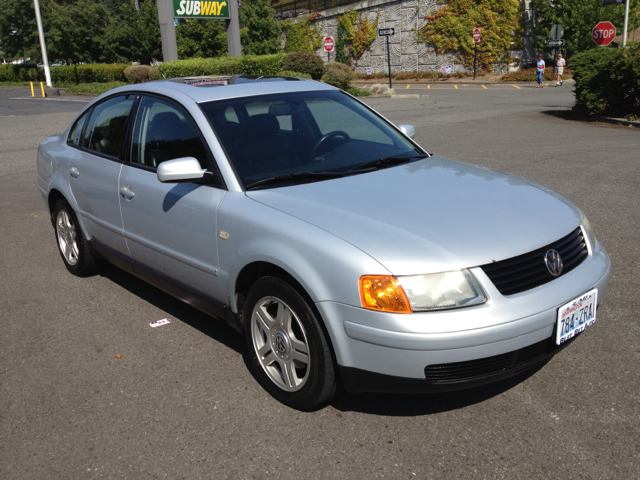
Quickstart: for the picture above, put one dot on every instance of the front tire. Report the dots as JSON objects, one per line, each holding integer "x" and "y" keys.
{"x": 72, "y": 244}
{"x": 287, "y": 345}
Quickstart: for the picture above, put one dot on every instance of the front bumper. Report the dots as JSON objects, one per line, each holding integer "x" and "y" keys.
{"x": 395, "y": 353}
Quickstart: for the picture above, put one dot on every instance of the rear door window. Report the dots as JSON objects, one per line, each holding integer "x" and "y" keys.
{"x": 107, "y": 127}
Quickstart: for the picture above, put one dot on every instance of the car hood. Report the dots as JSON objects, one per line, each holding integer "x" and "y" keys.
{"x": 432, "y": 215}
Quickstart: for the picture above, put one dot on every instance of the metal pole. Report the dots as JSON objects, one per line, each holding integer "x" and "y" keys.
{"x": 475, "y": 57}
{"x": 626, "y": 23}
{"x": 233, "y": 30}
{"x": 554, "y": 62}
{"x": 43, "y": 47}
{"x": 389, "y": 61}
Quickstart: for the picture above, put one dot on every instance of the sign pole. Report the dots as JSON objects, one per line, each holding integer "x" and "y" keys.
{"x": 167, "y": 31}
{"x": 233, "y": 30}
{"x": 389, "y": 61}
{"x": 475, "y": 57}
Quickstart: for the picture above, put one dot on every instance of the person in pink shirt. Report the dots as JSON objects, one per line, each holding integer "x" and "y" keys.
{"x": 560, "y": 69}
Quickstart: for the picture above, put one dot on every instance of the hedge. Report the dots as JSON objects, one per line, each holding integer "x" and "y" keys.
{"x": 245, "y": 65}
{"x": 608, "y": 81}
{"x": 75, "y": 74}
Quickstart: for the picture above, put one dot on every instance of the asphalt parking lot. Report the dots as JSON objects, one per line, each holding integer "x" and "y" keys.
{"x": 179, "y": 401}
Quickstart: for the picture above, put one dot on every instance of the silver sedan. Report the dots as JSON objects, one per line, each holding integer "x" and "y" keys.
{"x": 344, "y": 252}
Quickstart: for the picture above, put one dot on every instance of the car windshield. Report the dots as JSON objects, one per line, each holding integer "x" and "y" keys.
{"x": 305, "y": 136}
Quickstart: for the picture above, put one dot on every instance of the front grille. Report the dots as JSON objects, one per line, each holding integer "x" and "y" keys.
{"x": 528, "y": 271}
{"x": 476, "y": 369}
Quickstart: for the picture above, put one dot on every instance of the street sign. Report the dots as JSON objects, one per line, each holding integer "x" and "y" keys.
{"x": 200, "y": 9}
{"x": 368, "y": 70}
{"x": 612, "y": 2}
{"x": 476, "y": 35}
{"x": 328, "y": 44}
{"x": 555, "y": 43}
{"x": 603, "y": 33}
{"x": 556, "y": 32}
{"x": 383, "y": 32}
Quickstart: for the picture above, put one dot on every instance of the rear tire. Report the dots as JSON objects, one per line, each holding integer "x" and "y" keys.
{"x": 287, "y": 345}
{"x": 72, "y": 244}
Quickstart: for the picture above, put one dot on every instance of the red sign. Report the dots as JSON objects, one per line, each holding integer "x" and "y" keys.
{"x": 476, "y": 35}
{"x": 603, "y": 33}
{"x": 328, "y": 44}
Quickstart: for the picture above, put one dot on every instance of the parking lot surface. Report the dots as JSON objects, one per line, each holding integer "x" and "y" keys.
{"x": 89, "y": 390}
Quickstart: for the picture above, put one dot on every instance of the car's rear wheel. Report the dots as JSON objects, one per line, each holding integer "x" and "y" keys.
{"x": 287, "y": 345}
{"x": 72, "y": 244}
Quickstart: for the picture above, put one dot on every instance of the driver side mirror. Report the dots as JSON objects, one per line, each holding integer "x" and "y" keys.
{"x": 180, "y": 170}
{"x": 408, "y": 130}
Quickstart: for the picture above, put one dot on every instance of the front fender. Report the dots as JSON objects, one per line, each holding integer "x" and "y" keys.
{"x": 327, "y": 267}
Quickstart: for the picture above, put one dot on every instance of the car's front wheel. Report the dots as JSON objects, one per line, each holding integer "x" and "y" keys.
{"x": 287, "y": 345}
{"x": 72, "y": 244}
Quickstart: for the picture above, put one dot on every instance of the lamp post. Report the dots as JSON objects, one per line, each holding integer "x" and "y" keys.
{"x": 43, "y": 47}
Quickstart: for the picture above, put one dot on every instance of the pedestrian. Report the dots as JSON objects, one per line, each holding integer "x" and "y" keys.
{"x": 540, "y": 71}
{"x": 560, "y": 69}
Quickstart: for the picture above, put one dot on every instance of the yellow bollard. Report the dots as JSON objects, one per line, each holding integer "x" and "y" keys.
{"x": 42, "y": 88}
{"x": 32, "y": 94}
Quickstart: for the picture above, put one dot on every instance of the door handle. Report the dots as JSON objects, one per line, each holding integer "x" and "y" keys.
{"x": 74, "y": 172}
{"x": 126, "y": 192}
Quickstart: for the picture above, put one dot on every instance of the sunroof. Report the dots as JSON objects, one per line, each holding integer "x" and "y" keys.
{"x": 219, "y": 80}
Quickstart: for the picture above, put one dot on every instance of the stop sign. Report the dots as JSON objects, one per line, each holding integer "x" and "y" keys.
{"x": 328, "y": 44}
{"x": 476, "y": 35}
{"x": 603, "y": 33}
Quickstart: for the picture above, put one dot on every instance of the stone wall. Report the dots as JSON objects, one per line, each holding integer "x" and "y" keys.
{"x": 405, "y": 16}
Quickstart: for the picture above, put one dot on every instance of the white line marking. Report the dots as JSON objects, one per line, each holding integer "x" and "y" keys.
{"x": 49, "y": 99}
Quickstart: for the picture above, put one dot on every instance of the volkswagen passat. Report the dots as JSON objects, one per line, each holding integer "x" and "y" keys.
{"x": 341, "y": 249}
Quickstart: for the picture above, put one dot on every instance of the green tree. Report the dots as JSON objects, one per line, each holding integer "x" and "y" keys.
{"x": 577, "y": 17}
{"x": 73, "y": 30}
{"x": 133, "y": 35}
{"x": 450, "y": 30}
{"x": 201, "y": 38}
{"x": 263, "y": 30}
{"x": 341, "y": 55}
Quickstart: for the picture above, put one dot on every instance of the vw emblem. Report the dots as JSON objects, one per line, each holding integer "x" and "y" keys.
{"x": 281, "y": 343}
{"x": 553, "y": 261}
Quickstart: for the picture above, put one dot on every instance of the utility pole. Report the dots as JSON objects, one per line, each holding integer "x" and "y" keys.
{"x": 43, "y": 47}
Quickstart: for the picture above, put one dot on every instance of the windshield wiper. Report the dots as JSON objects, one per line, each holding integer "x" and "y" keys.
{"x": 292, "y": 177}
{"x": 387, "y": 162}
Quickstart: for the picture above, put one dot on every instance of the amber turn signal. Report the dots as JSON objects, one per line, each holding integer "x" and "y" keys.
{"x": 383, "y": 293}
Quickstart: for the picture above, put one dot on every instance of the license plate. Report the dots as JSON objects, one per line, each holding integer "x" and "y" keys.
{"x": 576, "y": 316}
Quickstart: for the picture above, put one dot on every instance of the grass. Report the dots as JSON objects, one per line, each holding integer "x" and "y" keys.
{"x": 94, "y": 88}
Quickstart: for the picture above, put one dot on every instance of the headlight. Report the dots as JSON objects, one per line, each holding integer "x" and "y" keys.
{"x": 439, "y": 291}
{"x": 590, "y": 233}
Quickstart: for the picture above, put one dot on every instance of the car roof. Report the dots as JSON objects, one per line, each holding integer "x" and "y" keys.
{"x": 207, "y": 88}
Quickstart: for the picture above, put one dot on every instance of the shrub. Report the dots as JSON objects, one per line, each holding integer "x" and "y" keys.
{"x": 288, "y": 73}
{"x": 137, "y": 73}
{"x": 305, "y": 62}
{"x": 94, "y": 88}
{"x": 338, "y": 75}
{"x": 244, "y": 65}
{"x": 608, "y": 81}
{"x": 21, "y": 73}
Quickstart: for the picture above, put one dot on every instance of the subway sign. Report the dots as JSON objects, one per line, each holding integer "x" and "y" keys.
{"x": 200, "y": 9}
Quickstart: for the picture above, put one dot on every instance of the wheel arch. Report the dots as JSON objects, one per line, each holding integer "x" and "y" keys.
{"x": 251, "y": 272}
